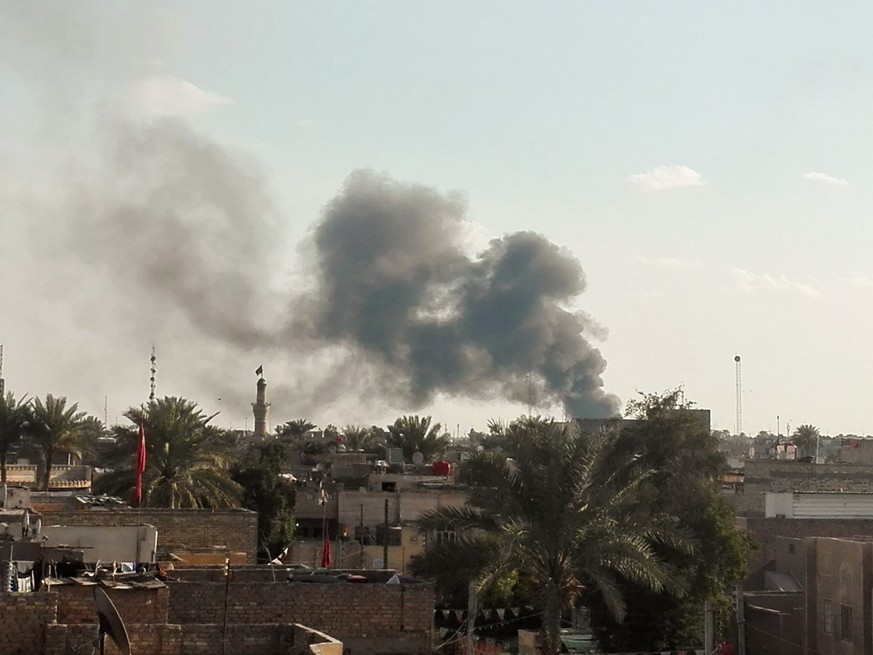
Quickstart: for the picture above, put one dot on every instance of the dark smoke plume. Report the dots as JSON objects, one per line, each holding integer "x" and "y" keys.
{"x": 179, "y": 218}
{"x": 394, "y": 282}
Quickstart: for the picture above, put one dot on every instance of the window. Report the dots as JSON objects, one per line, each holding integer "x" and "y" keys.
{"x": 393, "y": 536}
{"x": 364, "y": 535}
{"x": 446, "y": 536}
{"x": 846, "y": 624}
{"x": 827, "y": 617}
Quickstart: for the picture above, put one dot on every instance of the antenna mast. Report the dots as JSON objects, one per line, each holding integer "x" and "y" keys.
{"x": 154, "y": 370}
{"x": 2, "y": 381}
{"x": 739, "y": 424}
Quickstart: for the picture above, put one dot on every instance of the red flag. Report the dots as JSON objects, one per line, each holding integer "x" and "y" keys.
{"x": 140, "y": 463}
{"x": 325, "y": 553}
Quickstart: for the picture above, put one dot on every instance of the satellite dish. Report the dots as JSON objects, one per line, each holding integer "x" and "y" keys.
{"x": 110, "y": 622}
{"x": 417, "y": 458}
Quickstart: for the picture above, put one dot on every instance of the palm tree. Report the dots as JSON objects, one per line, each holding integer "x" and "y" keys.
{"x": 186, "y": 458}
{"x": 562, "y": 512}
{"x": 54, "y": 428}
{"x": 806, "y": 438}
{"x": 13, "y": 426}
{"x": 296, "y": 429}
{"x": 358, "y": 437}
{"x": 416, "y": 434}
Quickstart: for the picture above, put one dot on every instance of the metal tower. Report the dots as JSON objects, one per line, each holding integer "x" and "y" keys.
{"x": 739, "y": 424}
{"x": 153, "y": 370}
{"x": 2, "y": 381}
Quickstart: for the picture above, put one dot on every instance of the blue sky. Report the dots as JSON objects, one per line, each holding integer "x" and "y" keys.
{"x": 706, "y": 162}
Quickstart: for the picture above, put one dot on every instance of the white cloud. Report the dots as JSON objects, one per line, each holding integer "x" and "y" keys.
{"x": 669, "y": 263}
{"x": 667, "y": 177}
{"x": 858, "y": 280}
{"x": 166, "y": 95}
{"x": 748, "y": 281}
{"x": 823, "y": 177}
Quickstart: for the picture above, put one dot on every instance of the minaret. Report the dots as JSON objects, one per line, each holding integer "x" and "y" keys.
{"x": 261, "y": 408}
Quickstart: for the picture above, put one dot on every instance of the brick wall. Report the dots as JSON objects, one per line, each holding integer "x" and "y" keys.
{"x": 178, "y": 529}
{"x": 23, "y": 618}
{"x": 76, "y": 604}
{"x": 762, "y": 476}
{"x": 367, "y": 618}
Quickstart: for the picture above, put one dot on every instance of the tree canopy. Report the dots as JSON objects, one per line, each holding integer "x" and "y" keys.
{"x": 673, "y": 438}
{"x": 186, "y": 458}
{"x": 54, "y": 427}
{"x": 561, "y": 509}
{"x": 417, "y": 434}
{"x": 13, "y": 426}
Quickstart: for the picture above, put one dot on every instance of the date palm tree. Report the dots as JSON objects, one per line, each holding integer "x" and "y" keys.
{"x": 187, "y": 459}
{"x": 561, "y": 511}
{"x": 13, "y": 426}
{"x": 416, "y": 434}
{"x": 806, "y": 438}
{"x": 359, "y": 437}
{"x": 54, "y": 428}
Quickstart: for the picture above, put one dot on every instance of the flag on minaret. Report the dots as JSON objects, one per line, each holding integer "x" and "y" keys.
{"x": 140, "y": 462}
{"x": 259, "y": 370}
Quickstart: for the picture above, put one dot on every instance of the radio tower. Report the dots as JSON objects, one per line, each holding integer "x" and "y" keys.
{"x": 2, "y": 381}
{"x": 154, "y": 370}
{"x": 739, "y": 425}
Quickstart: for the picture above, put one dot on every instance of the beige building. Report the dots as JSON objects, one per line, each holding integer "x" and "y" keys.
{"x": 361, "y": 523}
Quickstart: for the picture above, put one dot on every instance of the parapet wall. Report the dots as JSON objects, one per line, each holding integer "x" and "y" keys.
{"x": 367, "y": 618}
{"x": 178, "y": 529}
{"x": 762, "y": 476}
{"x": 23, "y": 620}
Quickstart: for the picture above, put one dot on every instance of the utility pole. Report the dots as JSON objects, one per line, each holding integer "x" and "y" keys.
{"x": 739, "y": 374}
{"x": 385, "y": 540}
{"x": 361, "y": 526}
{"x": 708, "y": 629}
{"x": 741, "y": 622}
{"x": 471, "y": 617}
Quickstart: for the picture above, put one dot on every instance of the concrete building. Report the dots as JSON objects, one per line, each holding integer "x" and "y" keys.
{"x": 817, "y": 598}
{"x": 364, "y": 521}
{"x": 763, "y": 476}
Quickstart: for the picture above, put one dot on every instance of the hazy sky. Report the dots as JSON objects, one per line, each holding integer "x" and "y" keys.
{"x": 163, "y": 165}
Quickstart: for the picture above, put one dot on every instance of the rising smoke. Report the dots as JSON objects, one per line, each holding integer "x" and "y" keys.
{"x": 183, "y": 228}
{"x": 393, "y": 281}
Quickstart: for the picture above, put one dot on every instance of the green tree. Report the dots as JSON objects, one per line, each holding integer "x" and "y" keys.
{"x": 359, "y": 438}
{"x": 416, "y": 434}
{"x": 806, "y": 438}
{"x": 269, "y": 494}
{"x": 54, "y": 428}
{"x": 295, "y": 430}
{"x": 13, "y": 426}
{"x": 187, "y": 459}
{"x": 562, "y": 512}
{"x": 674, "y": 439}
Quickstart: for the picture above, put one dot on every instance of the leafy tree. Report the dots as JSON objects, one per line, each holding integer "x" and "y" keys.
{"x": 96, "y": 443}
{"x": 806, "y": 439}
{"x": 416, "y": 434}
{"x": 563, "y": 513}
{"x": 359, "y": 438}
{"x": 54, "y": 428}
{"x": 675, "y": 440}
{"x": 13, "y": 426}
{"x": 186, "y": 458}
{"x": 295, "y": 430}
{"x": 269, "y": 494}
